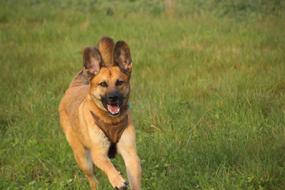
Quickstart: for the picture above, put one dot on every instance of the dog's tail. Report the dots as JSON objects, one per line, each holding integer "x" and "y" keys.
{"x": 106, "y": 46}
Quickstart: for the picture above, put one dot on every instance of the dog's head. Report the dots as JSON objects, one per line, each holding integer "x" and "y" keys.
{"x": 109, "y": 68}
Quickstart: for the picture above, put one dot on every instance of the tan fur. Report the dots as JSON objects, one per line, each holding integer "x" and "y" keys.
{"x": 88, "y": 142}
{"x": 106, "y": 46}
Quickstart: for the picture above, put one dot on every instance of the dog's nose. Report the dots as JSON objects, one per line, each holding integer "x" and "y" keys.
{"x": 113, "y": 97}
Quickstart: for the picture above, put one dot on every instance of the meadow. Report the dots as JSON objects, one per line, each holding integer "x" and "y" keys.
{"x": 208, "y": 90}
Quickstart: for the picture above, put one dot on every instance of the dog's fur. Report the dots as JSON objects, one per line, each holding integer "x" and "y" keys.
{"x": 94, "y": 114}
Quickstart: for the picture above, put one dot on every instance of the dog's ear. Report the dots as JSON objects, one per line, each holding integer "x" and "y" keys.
{"x": 106, "y": 47}
{"x": 92, "y": 60}
{"x": 122, "y": 56}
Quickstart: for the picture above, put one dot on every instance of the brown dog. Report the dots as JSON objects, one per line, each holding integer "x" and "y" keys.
{"x": 94, "y": 114}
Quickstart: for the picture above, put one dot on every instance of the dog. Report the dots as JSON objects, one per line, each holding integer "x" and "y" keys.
{"x": 95, "y": 116}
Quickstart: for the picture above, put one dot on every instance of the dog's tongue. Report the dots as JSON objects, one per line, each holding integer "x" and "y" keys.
{"x": 113, "y": 109}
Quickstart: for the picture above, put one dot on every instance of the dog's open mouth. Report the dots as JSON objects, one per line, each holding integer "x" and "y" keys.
{"x": 113, "y": 109}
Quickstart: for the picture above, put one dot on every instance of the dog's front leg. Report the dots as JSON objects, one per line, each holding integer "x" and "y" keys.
{"x": 101, "y": 160}
{"x": 127, "y": 148}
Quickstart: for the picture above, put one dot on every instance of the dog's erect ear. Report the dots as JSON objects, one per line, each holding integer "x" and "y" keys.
{"x": 106, "y": 47}
{"x": 92, "y": 60}
{"x": 122, "y": 56}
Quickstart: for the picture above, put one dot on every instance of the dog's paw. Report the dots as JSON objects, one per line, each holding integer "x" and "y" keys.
{"x": 118, "y": 182}
{"x": 124, "y": 187}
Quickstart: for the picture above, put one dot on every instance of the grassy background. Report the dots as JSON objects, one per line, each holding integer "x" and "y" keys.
{"x": 208, "y": 96}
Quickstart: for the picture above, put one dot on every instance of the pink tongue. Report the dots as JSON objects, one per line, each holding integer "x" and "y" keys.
{"x": 113, "y": 109}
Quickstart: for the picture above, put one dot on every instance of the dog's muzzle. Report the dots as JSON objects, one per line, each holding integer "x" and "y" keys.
{"x": 113, "y": 102}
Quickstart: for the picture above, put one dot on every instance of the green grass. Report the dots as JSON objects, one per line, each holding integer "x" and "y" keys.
{"x": 208, "y": 90}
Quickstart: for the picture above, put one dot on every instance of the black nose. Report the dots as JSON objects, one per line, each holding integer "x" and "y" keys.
{"x": 113, "y": 97}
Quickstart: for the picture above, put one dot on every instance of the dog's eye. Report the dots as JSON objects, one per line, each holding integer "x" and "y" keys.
{"x": 103, "y": 84}
{"x": 119, "y": 82}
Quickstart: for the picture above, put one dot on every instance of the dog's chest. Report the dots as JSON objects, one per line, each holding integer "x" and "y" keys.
{"x": 113, "y": 132}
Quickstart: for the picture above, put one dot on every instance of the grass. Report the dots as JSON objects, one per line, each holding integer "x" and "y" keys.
{"x": 208, "y": 90}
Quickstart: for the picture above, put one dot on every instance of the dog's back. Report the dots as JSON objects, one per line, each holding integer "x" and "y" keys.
{"x": 73, "y": 97}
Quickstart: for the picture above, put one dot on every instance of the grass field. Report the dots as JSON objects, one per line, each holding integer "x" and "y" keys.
{"x": 208, "y": 90}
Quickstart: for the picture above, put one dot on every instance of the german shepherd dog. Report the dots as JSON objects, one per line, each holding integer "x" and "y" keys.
{"x": 95, "y": 117}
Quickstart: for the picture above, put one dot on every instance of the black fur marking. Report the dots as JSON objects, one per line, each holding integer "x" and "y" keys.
{"x": 112, "y": 150}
